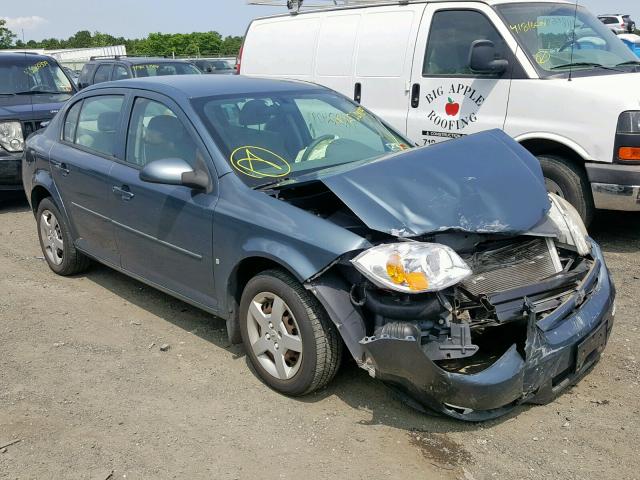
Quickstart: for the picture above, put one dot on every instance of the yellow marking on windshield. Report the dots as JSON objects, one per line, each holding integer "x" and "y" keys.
{"x": 249, "y": 159}
{"x": 35, "y": 68}
{"x": 542, "y": 57}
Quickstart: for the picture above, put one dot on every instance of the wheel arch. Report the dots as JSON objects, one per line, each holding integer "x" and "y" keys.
{"x": 242, "y": 272}
{"x": 38, "y": 193}
{"x": 554, "y": 145}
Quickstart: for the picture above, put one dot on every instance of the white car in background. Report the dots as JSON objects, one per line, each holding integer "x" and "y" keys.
{"x": 618, "y": 23}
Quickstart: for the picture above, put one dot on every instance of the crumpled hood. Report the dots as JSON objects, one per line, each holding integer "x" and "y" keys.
{"x": 483, "y": 183}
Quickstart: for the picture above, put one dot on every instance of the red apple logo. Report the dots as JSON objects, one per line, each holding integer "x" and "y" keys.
{"x": 452, "y": 108}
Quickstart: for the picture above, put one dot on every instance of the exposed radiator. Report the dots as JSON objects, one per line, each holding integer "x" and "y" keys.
{"x": 512, "y": 266}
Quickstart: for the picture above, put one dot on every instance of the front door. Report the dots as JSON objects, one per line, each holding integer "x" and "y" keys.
{"x": 164, "y": 232}
{"x": 81, "y": 165}
{"x": 449, "y": 100}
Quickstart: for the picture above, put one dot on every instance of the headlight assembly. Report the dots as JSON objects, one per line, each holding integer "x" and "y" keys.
{"x": 571, "y": 229}
{"x": 11, "y": 138}
{"x": 629, "y": 122}
{"x": 412, "y": 267}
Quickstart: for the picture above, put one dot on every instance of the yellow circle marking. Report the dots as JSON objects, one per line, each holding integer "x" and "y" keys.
{"x": 542, "y": 57}
{"x": 248, "y": 160}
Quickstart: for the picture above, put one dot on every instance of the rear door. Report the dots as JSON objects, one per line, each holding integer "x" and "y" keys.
{"x": 164, "y": 232}
{"x": 448, "y": 99}
{"x": 81, "y": 164}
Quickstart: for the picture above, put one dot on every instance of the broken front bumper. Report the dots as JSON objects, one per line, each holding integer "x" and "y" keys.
{"x": 560, "y": 349}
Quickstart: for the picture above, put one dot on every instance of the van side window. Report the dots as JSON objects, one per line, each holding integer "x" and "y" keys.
{"x": 71, "y": 122}
{"x": 156, "y": 133}
{"x": 450, "y": 39}
{"x": 98, "y": 123}
{"x": 102, "y": 73}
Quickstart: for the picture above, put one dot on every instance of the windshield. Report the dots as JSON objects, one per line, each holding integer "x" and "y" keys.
{"x": 164, "y": 68}
{"x": 33, "y": 75}
{"x": 274, "y": 137}
{"x": 557, "y": 39}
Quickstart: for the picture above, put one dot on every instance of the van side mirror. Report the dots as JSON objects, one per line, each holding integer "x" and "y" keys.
{"x": 174, "y": 171}
{"x": 482, "y": 58}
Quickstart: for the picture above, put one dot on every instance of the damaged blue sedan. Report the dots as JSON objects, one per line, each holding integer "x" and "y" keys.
{"x": 314, "y": 228}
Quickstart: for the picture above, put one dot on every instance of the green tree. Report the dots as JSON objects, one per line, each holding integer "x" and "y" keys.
{"x": 6, "y": 35}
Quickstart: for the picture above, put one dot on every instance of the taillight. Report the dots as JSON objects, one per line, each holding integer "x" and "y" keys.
{"x": 238, "y": 64}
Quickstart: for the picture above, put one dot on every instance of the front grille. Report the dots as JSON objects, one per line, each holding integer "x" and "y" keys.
{"x": 30, "y": 126}
{"x": 512, "y": 266}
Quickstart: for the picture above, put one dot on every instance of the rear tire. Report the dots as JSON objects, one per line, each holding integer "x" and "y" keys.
{"x": 570, "y": 182}
{"x": 55, "y": 240}
{"x": 300, "y": 323}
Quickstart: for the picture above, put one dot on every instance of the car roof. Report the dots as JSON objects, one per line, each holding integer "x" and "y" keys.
{"x": 196, "y": 86}
{"x": 139, "y": 60}
{"x": 25, "y": 57}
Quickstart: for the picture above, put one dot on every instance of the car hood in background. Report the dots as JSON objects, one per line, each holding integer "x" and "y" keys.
{"x": 483, "y": 183}
{"x": 27, "y": 107}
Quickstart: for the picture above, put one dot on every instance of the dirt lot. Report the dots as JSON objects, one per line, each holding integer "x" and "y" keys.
{"x": 87, "y": 391}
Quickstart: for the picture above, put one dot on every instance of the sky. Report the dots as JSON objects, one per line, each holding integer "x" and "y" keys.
{"x": 136, "y": 18}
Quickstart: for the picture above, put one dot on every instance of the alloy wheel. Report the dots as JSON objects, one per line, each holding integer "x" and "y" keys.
{"x": 51, "y": 235}
{"x": 274, "y": 335}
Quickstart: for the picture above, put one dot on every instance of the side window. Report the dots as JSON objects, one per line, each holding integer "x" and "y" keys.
{"x": 102, "y": 73}
{"x": 450, "y": 39}
{"x": 98, "y": 123}
{"x": 71, "y": 122}
{"x": 155, "y": 133}
{"x": 120, "y": 72}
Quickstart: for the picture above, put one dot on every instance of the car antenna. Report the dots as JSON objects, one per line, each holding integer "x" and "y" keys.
{"x": 573, "y": 43}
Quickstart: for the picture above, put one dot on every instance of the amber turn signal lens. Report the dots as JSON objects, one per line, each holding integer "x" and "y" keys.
{"x": 629, "y": 153}
{"x": 395, "y": 270}
{"x": 417, "y": 281}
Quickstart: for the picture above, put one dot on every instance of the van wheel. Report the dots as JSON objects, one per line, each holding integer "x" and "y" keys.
{"x": 56, "y": 243}
{"x": 568, "y": 181}
{"x": 292, "y": 344}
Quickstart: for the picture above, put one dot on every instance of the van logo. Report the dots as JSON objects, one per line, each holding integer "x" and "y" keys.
{"x": 53, "y": 112}
{"x": 454, "y": 107}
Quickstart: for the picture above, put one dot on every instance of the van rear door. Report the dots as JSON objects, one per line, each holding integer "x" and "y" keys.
{"x": 448, "y": 98}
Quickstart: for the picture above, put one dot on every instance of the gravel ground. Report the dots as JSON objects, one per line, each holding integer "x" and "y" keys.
{"x": 88, "y": 393}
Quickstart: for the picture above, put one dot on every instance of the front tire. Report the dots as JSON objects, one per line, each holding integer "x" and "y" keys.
{"x": 568, "y": 181}
{"x": 291, "y": 343}
{"x": 56, "y": 242}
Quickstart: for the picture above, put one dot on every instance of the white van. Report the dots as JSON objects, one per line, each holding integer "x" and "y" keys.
{"x": 549, "y": 73}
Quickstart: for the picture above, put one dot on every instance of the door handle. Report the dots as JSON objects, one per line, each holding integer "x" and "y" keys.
{"x": 60, "y": 166}
{"x": 415, "y": 95}
{"x": 124, "y": 192}
{"x": 357, "y": 92}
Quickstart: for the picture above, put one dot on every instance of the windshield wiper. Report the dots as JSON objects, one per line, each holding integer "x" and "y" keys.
{"x": 584, "y": 64}
{"x": 264, "y": 186}
{"x": 630, "y": 62}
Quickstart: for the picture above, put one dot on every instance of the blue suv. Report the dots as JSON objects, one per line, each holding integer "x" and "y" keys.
{"x": 311, "y": 226}
{"x": 33, "y": 88}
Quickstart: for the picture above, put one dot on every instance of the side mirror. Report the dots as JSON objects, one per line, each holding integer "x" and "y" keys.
{"x": 174, "y": 171}
{"x": 482, "y": 58}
